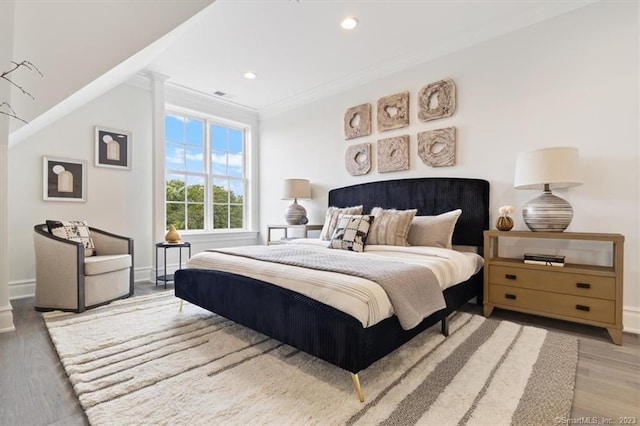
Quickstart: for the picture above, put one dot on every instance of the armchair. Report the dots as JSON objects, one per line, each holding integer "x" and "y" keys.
{"x": 67, "y": 280}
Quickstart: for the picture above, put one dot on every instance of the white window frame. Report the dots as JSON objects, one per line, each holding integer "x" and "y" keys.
{"x": 210, "y": 120}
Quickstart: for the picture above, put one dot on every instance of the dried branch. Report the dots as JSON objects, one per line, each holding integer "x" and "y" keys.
{"x": 17, "y": 65}
{"x": 11, "y": 112}
{"x": 5, "y": 76}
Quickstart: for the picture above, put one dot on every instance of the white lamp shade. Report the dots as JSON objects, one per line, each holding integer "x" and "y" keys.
{"x": 296, "y": 188}
{"x": 558, "y": 167}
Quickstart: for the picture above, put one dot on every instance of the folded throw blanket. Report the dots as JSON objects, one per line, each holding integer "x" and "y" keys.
{"x": 413, "y": 290}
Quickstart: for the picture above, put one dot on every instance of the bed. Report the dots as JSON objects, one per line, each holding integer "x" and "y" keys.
{"x": 329, "y": 333}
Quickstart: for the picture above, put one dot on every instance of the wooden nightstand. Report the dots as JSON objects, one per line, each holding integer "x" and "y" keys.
{"x": 583, "y": 293}
{"x": 304, "y": 234}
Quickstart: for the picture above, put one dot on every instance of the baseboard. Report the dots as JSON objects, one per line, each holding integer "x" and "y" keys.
{"x": 27, "y": 288}
{"x": 22, "y": 289}
{"x": 631, "y": 319}
{"x": 6, "y": 319}
{"x": 141, "y": 274}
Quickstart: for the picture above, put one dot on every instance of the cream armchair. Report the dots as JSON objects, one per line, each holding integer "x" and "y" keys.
{"x": 69, "y": 281}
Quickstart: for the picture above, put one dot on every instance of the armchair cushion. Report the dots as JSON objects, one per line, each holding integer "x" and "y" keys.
{"x": 69, "y": 280}
{"x": 96, "y": 265}
{"x": 75, "y": 230}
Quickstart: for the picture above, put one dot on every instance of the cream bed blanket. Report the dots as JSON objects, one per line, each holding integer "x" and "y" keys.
{"x": 359, "y": 297}
{"x": 413, "y": 289}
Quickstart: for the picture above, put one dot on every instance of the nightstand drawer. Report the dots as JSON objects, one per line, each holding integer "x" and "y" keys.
{"x": 554, "y": 281}
{"x": 558, "y": 304}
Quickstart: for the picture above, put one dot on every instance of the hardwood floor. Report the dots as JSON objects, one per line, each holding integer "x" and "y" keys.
{"x": 34, "y": 389}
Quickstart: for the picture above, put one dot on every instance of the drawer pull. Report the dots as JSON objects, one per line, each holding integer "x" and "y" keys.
{"x": 510, "y": 296}
{"x": 583, "y": 285}
{"x": 583, "y": 308}
{"x": 510, "y": 276}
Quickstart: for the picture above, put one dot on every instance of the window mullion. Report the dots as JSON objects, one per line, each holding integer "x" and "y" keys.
{"x": 208, "y": 202}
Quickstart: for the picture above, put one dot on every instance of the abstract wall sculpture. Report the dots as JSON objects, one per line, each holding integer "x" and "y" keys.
{"x": 357, "y": 121}
{"x": 357, "y": 159}
{"x": 393, "y": 111}
{"x": 437, "y": 100}
{"x": 393, "y": 154}
{"x": 437, "y": 148}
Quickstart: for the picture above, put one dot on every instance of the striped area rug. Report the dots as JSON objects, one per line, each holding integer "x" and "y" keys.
{"x": 141, "y": 361}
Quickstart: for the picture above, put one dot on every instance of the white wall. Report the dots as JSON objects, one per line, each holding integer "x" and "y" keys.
{"x": 568, "y": 81}
{"x": 117, "y": 200}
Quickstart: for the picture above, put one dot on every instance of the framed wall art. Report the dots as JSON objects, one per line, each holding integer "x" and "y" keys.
{"x": 437, "y": 148}
{"x": 112, "y": 148}
{"x": 64, "y": 179}
{"x": 357, "y": 159}
{"x": 393, "y": 111}
{"x": 393, "y": 154}
{"x": 437, "y": 100}
{"x": 357, "y": 121}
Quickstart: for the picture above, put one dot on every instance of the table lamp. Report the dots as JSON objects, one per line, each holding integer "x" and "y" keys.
{"x": 546, "y": 169}
{"x": 292, "y": 190}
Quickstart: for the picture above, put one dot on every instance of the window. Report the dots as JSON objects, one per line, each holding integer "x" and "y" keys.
{"x": 205, "y": 173}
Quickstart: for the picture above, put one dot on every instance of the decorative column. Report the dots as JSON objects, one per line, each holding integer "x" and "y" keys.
{"x": 157, "y": 93}
{"x": 6, "y": 52}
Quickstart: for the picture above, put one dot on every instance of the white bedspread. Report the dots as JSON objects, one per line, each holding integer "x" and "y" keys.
{"x": 363, "y": 299}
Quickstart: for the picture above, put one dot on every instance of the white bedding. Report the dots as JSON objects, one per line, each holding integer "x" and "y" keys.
{"x": 361, "y": 298}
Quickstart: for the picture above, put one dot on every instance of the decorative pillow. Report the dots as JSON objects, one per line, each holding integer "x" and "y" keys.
{"x": 351, "y": 232}
{"x": 331, "y": 219}
{"x": 75, "y": 230}
{"x": 390, "y": 227}
{"x": 434, "y": 231}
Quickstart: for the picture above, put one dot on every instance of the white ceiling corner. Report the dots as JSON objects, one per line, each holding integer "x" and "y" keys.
{"x": 301, "y": 54}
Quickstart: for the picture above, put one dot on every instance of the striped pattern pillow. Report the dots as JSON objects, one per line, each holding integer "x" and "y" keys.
{"x": 331, "y": 219}
{"x": 390, "y": 227}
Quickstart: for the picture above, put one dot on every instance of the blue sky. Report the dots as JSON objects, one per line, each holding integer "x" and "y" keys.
{"x": 185, "y": 146}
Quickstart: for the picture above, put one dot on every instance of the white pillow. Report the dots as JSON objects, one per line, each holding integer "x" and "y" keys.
{"x": 331, "y": 219}
{"x": 433, "y": 231}
{"x": 390, "y": 227}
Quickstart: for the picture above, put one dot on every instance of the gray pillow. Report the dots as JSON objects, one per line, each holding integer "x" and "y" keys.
{"x": 331, "y": 219}
{"x": 433, "y": 231}
{"x": 390, "y": 227}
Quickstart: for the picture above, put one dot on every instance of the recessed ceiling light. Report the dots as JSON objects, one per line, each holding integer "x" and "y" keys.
{"x": 250, "y": 75}
{"x": 349, "y": 23}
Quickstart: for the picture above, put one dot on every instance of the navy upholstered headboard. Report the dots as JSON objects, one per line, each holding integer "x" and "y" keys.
{"x": 431, "y": 196}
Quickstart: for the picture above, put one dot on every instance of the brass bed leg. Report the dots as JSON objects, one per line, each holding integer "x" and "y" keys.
{"x": 444, "y": 326}
{"x": 356, "y": 385}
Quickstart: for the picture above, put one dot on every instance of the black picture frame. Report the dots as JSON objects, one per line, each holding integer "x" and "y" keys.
{"x": 112, "y": 148}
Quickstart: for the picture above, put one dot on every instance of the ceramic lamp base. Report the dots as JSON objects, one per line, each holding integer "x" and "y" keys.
{"x": 295, "y": 214}
{"x": 548, "y": 213}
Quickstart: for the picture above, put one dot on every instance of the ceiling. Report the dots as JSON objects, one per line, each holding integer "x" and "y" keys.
{"x": 300, "y": 53}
